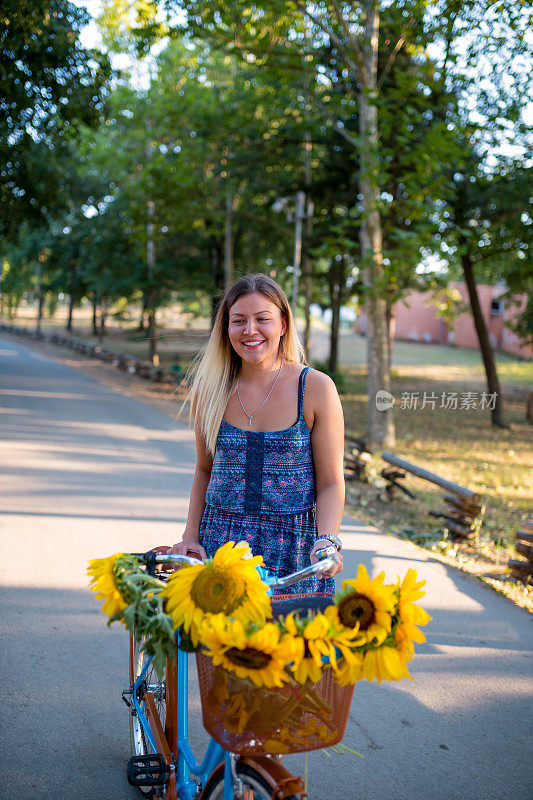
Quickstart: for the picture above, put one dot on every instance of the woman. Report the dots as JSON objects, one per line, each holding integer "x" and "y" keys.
{"x": 259, "y": 473}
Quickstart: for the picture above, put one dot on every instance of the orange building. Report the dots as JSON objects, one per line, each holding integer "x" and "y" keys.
{"x": 417, "y": 320}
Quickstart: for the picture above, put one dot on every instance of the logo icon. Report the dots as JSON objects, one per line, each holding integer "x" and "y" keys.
{"x": 384, "y": 400}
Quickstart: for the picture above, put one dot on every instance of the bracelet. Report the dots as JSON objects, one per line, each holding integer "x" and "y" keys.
{"x": 335, "y": 541}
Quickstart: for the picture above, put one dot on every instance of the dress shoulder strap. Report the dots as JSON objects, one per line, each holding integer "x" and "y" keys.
{"x": 301, "y": 390}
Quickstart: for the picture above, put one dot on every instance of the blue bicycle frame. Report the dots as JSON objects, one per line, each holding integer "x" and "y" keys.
{"x": 185, "y": 763}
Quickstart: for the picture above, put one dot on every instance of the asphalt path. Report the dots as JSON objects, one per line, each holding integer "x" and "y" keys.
{"x": 86, "y": 472}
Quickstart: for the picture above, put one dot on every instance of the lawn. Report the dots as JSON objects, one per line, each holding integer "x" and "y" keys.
{"x": 459, "y": 445}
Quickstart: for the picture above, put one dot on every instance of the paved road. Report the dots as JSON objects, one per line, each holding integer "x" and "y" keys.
{"x": 85, "y": 472}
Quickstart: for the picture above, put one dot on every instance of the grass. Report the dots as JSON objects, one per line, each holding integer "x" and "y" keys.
{"x": 459, "y": 445}
{"x": 463, "y": 447}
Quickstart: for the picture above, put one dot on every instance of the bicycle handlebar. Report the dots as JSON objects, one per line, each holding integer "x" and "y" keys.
{"x": 324, "y": 555}
{"x": 323, "y": 564}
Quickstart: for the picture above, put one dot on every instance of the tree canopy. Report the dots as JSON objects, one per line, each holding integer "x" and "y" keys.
{"x": 153, "y": 184}
{"x": 50, "y": 86}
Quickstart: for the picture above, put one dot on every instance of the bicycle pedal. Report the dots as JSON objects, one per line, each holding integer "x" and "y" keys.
{"x": 149, "y": 770}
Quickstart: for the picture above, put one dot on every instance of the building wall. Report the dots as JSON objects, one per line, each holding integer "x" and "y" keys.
{"x": 417, "y": 321}
{"x": 464, "y": 331}
{"x": 511, "y": 343}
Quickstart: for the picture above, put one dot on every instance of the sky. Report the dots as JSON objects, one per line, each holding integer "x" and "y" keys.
{"x": 90, "y": 36}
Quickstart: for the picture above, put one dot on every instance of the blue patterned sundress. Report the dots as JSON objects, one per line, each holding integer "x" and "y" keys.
{"x": 262, "y": 490}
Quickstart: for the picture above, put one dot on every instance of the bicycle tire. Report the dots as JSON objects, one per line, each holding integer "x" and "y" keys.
{"x": 138, "y": 742}
{"x": 262, "y": 788}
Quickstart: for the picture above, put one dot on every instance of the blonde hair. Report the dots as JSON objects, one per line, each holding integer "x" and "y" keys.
{"x": 217, "y": 366}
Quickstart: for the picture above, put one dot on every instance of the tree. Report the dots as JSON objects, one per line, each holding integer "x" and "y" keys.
{"x": 304, "y": 39}
{"x": 482, "y": 225}
{"x": 292, "y": 31}
{"x": 488, "y": 232}
{"x": 21, "y": 273}
{"x": 505, "y": 228}
{"x": 50, "y": 86}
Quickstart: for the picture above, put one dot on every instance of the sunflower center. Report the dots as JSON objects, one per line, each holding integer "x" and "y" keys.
{"x": 356, "y": 608}
{"x": 249, "y": 657}
{"x": 216, "y": 590}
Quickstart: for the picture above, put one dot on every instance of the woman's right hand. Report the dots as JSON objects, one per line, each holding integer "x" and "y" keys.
{"x": 189, "y": 548}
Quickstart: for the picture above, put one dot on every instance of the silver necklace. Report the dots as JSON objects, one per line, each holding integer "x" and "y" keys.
{"x": 264, "y": 401}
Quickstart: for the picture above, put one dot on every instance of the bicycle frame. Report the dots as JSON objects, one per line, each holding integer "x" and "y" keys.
{"x": 173, "y": 741}
{"x": 178, "y": 754}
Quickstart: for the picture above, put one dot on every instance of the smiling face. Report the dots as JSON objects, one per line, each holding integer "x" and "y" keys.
{"x": 255, "y": 327}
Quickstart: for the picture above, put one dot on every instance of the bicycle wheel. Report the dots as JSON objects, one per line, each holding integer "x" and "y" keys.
{"x": 262, "y": 785}
{"x": 157, "y": 687}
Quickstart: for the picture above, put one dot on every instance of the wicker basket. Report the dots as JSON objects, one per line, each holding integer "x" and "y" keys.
{"x": 249, "y": 720}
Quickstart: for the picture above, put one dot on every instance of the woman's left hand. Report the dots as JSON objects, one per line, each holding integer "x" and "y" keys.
{"x": 337, "y": 557}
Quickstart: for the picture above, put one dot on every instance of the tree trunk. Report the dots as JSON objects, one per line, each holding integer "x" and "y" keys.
{"x": 103, "y": 318}
{"x": 228, "y": 242}
{"x": 307, "y": 309}
{"x": 40, "y": 311}
{"x": 487, "y": 353}
{"x": 297, "y": 258}
{"x": 306, "y": 258}
{"x": 151, "y": 294}
{"x": 152, "y": 335}
{"x": 391, "y": 330}
{"x": 94, "y": 302}
{"x": 39, "y": 298}
{"x": 70, "y": 310}
{"x": 143, "y": 312}
{"x": 380, "y": 419}
{"x": 217, "y": 272}
{"x": 335, "y": 278}
{"x": 71, "y": 295}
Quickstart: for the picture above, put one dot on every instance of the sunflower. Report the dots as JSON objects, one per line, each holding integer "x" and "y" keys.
{"x": 352, "y": 668}
{"x": 410, "y": 615}
{"x": 258, "y": 654}
{"x": 104, "y": 583}
{"x": 384, "y": 664}
{"x": 344, "y": 638}
{"x": 311, "y": 640}
{"x": 347, "y": 642}
{"x": 226, "y": 584}
{"x": 369, "y": 604}
{"x": 276, "y": 748}
{"x": 236, "y": 714}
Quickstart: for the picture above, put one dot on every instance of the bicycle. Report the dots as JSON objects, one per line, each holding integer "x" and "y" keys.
{"x": 162, "y": 763}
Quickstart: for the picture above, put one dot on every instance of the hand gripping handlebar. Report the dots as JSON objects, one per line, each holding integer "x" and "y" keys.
{"x": 324, "y": 555}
